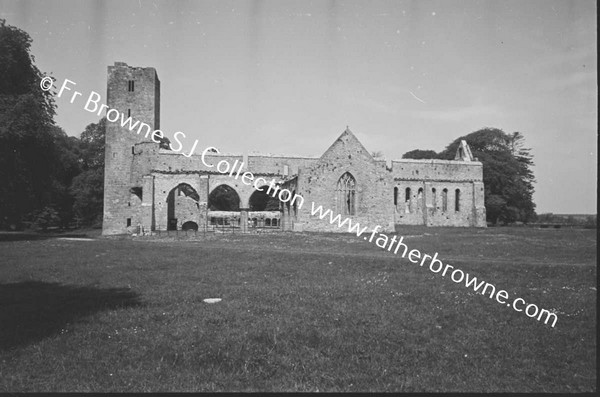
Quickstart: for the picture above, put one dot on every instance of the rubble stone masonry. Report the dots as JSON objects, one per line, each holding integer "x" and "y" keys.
{"x": 143, "y": 183}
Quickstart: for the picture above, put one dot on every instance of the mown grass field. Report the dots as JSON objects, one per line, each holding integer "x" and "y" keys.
{"x": 299, "y": 312}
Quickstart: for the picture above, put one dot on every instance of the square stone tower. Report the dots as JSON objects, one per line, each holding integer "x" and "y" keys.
{"x": 135, "y": 93}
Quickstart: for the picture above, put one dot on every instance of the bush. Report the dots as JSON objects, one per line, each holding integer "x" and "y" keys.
{"x": 45, "y": 218}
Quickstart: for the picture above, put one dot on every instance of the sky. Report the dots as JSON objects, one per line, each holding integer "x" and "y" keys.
{"x": 288, "y": 77}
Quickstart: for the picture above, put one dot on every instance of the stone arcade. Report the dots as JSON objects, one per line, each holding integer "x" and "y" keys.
{"x": 158, "y": 189}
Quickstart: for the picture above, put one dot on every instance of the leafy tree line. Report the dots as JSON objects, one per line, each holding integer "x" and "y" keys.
{"x": 46, "y": 177}
{"x": 507, "y": 174}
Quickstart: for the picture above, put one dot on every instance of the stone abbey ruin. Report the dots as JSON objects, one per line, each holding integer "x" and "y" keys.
{"x": 150, "y": 188}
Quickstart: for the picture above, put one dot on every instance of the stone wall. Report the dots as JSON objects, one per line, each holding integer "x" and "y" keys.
{"x": 139, "y": 177}
{"x": 318, "y": 184}
{"x": 439, "y": 170}
{"x": 141, "y": 101}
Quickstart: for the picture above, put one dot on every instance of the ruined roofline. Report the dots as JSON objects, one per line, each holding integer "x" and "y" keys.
{"x": 125, "y": 65}
{"x": 437, "y": 161}
{"x": 210, "y": 172}
{"x": 225, "y": 154}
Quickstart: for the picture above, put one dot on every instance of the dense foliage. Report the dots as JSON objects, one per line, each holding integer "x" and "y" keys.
{"x": 419, "y": 154}
{"x": 30, "y": 174}
{"x": 507, "y": 173}
{"x": 47, "y": 179}
{"x": 87, "y": 188}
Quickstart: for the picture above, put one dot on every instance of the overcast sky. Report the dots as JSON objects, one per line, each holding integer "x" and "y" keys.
{"x": 289, "y": 76}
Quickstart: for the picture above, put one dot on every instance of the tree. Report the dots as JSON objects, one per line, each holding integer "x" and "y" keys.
{"x": 65, "y": 166}
{"x": 27, "y": 142}
{"x": 507, "y": 173}
{"x": 419, "y": 154}
{"x": 92, "y": 145}
{"x": 87, "y": 188}
{"x": 88, "y": 191}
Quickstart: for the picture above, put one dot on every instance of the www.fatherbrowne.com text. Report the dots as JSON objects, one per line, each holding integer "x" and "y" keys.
{"x": 396, "y": 243}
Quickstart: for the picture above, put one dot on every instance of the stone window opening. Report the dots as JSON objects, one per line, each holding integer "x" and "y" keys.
{"x": 434, "y": 198}
{"x": 346, "y": 194}
{"x": 407, "y": 200}
{"x": 128, "y": 112}
{"x": 457, "y": 200}
{"x": 138, "y": 191}
{"x": 396, "y": 196}
{"x": 420, "y": 199}
{"x": 128, "y": 222}
{"x": 130, "y": 86}
{"x": 444, "y": 200}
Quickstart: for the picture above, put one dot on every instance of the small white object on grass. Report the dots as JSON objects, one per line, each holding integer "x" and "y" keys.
{"x": 212, "y": 300}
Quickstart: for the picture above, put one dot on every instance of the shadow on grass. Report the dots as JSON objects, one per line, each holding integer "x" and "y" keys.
{"x": 23, "y": 236}
{"x": 33, "y": 310}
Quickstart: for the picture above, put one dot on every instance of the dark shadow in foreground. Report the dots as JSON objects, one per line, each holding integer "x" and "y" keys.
{"x": 33, "y": 310}
{"x": 28, "y": 236}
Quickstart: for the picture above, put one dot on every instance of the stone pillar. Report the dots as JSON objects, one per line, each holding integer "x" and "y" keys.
{"x": 244, "y": 220}
{"x": 203, "y": 186}
{"x": 148, "y": 204}
{"x": 286, "y": 222}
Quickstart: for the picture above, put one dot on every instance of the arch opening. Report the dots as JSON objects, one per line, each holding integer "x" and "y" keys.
{"x": 223, "y": 198}
{"x": 261, "y": 201}
{"x": 189, "y": 225}
{"x": 457, "y": 200}
{"x": 182, "y": 202}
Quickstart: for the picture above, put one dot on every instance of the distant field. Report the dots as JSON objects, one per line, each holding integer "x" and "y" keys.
{"x": 299, "y": 312}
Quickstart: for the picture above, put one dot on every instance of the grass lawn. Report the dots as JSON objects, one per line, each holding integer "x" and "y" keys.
{"x": 299, "y": 312}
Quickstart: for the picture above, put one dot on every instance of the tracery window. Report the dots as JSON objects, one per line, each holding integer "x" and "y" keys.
{"x": 346, "y": 194}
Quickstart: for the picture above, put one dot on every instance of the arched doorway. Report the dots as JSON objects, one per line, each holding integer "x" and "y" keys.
{"x": 182, "y": 203}
{"x": 189, "y": 225}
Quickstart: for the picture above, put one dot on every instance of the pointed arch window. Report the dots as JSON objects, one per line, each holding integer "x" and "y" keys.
{"x": 444, "y": 200}
{"x": 457, "y": 200}
{"x": 346, "y": 194}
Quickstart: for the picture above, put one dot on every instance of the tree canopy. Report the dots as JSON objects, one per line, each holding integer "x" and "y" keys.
{"x": 87, "y": 188}
{"x": 47, "y": 178}
{"x": 419, "y": 154}
{"x": 29, "y": 177}
{"x": 507, "y": 173}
